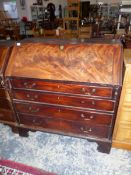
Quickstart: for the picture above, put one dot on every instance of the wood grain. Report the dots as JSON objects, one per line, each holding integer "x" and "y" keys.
{"x": 68, "y": 127}
{"x": 122, "y": 130}
{"x": 65, "y": 113}
{"x": 6, "y": 115}
{"x": 64, "y": 87}
{"x": 96, "y": 63}
{"x": 58, "y": 99}
{"x": 3, "y": 51}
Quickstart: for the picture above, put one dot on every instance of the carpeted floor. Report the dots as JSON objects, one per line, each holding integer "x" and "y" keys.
{"x": 62, "y": 154}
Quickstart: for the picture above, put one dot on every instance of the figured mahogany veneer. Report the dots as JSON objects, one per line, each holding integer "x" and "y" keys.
{"x": 65, "y": 113}
{"x": 77, "y": 128}
{"x": 60, "y": 87}
{"x": 66, "y": 88}
{"x": 71, "y": 62}
{"x": 99, "y": 104}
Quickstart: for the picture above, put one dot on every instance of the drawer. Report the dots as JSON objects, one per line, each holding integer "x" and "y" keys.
{"x": 63, "y": 126}
{"x": 5, "y": 103}
{"x": 6, "y": 115}
{"x": 69, "y": 88}
{"x": 75, "y": 101}
{"x": 48, "y": 111}
{"x": 124, "y": 133}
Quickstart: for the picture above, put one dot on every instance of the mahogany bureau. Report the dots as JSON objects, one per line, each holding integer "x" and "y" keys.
{"x": 66, "y": 87}
{"x": 6, "y": 110}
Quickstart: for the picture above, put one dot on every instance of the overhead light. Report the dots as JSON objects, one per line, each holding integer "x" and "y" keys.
{"x": 100, "y": 3}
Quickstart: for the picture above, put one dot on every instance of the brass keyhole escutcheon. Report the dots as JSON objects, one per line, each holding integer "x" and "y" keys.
{"x": 61, "y": 47}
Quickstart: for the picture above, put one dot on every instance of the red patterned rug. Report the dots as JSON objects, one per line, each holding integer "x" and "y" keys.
{"x": 8, "y": 167}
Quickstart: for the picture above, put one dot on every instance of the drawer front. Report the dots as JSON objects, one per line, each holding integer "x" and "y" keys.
{"x": 6, "y": 115}
{"x": 63, "y": 126}
{"x": 99, "y": 104}
{"x": 47, "y": 111}
{"x": 69, "y": 88}
{"x": 5, "y": 103}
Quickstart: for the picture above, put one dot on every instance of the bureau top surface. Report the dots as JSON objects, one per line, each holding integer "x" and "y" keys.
{"x": 87, "y": 62}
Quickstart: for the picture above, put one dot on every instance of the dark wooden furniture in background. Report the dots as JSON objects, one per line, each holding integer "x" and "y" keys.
{"x": 9, "y": 27}
{"x": 72, "y": 20}
{"x": 66, "y": 87}
{"x": 85, "y": 32}
{"x": 6, "y": 111}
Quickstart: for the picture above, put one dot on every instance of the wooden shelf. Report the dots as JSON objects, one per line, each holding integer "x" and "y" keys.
{"x": 71, "y": 22}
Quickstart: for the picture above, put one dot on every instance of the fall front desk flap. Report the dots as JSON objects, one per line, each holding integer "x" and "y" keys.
{"x": 95, "y": 63}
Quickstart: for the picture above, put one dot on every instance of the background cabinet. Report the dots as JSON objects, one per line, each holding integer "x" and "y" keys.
{"x": 37, "y": 12}
{"x": 122, "y": 132}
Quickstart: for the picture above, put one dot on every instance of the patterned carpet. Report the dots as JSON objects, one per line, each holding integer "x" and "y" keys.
{"x": 62, "y": 154}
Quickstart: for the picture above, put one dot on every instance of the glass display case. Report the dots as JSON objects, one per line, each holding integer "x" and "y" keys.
{"x": 37, "y": 12}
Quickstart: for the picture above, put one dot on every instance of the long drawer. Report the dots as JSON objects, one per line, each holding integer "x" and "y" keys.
{"x": 6, "y": 115}
{"x": 49, "y": 111}
{"x": 75, "y": 101}
{"x": 69, "y": 88}
{"x": 57, "y": 125}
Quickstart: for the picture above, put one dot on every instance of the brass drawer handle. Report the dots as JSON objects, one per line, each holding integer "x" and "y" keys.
{"x": 59, "y": 110}
{"x": 86, "y": 130}
{"x": 93, "y": 90}
{"x": 33, "y": 110}
{"x": 82, "y": 89}
{"x": 26, "y": 84}
{"x": 33, "y": 85}
{"x": 87, "y": 118}
{"x": 32, "y": 98}
{"x": 82, "y": 101}
{"x": 93, "y": 102}
{"x": 88, "y": 93}
{"x": 36, "y": 122}
{"x": 29, "y": 85}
